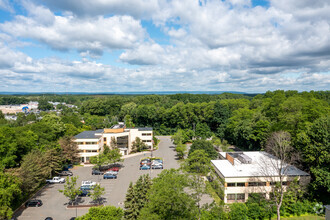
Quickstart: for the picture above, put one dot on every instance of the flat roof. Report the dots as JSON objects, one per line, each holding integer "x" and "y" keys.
{"x": 89, "y": 134}
{"x": 259, "y": 166}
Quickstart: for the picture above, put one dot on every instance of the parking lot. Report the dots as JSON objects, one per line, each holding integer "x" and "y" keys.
{"x": 54, "y": 202}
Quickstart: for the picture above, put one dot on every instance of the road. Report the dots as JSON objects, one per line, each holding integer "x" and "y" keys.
{"x": 54, "y": 202}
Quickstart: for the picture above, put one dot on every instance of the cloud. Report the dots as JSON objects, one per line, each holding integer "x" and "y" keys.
{"x": 5, "y": 5}
{"x": 135, "y": 8}
{"x": 91, "y": 36}
{"x": 213, "y": 45}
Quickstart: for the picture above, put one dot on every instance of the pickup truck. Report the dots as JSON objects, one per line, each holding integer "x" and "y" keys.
{"x": 56, "y": 179}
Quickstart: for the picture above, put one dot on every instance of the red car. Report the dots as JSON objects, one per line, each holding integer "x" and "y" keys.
{"x": 114, "y": 169}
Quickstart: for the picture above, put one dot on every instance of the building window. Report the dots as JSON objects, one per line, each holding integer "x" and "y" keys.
{"x": 284, "y": 183}
{"x": 80, "y": 143}
{"x": 240, "y": 184}
{"x": 146, "y": 134}
{"x": 231, "y": 197}
{"x": 257, "y": 184}
{"x": 231, "y": 184}
{"x": 146, "y": 141}
{"x": 105, "y": 139}
{"x": 241, "y": 196}
{"x": 91, "y": 143}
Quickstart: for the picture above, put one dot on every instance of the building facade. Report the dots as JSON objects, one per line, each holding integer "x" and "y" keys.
{"x": 243, "y": 173}
{"x": 90, "y": 143}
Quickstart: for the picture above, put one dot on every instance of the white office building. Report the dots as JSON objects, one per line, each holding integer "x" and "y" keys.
{"x": 243, "y": 173}
{"x": 90, "y": 143}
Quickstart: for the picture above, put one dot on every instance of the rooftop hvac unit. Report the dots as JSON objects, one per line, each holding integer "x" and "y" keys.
{"x": 244, "y": 158}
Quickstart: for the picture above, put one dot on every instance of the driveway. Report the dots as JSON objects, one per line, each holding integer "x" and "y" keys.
{"x": 54, "y": 202}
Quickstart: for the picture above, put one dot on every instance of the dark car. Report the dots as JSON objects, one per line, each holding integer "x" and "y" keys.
{"x": 109, "y": 176}
{"x": 86, "y": 188}
{"x": 49, "y": 218}
{"x": 65, "y": 173}
{"x": 83, "y": 193}
{"x": 97, "y": 172}
{"x": 33, "y": 203}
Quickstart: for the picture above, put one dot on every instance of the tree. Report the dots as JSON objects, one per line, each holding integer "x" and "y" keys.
{"x": 138, "y": 145}
{"x": 168, "y": 199}
{"x": 44, "y": 105}
{"x": 238, "y": 211}
{"x": 276, "y": 169}
{"x": 203, "y": 130}
{"x": 206, "y": 146}
{"x": 136, "y": 197}
{"x": 197, "y": 162}
{"x": 2, "y": 116}
{"x": 70, "y": 152}
{"x": 9, "y": 192}
{"x": 52, "y": 162}
{"x": 70, "y": 189}
{"x": 103, "y": 212}
{"x": 98, "y": 160}
{"x": 97, "y": 193}
{"x": 113, "y": 143}
{"x": 181, "y": 150}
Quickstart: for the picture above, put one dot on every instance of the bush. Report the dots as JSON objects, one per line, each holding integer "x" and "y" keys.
{"x": 238, "y": 211}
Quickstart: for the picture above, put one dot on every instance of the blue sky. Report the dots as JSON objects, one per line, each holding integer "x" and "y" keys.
{"x": 164, "y": 45}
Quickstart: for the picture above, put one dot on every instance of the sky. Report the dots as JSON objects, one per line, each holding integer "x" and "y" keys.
{"x": 164, "y": 45}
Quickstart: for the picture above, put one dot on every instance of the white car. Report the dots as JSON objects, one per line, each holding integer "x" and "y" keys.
{"x": 88, "y": 183}
{"x": 111, "y": 172}
{"x": 56, "y": 179}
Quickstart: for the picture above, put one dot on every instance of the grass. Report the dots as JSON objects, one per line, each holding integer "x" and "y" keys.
{"x": 212, "y": 192}
{"x": 303, "y": 217}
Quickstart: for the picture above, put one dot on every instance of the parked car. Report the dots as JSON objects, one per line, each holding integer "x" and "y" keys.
{"x": 49, "y": 218}
{"x": 88, "y": 183}
{"x": 97, "y": 172}
{"x": 109, "y": 176}
{"x": 114, "y": 169}
{"x": 86, "y": 187}
{"x": 33, "y": 203}
{"x": 145, "y": 162}
{"x": 111, "y": 172}
{"x": 157, "y": 166}
{"x": 83, "y": 192}
{"x": 66, "y": 167}
{"x": 157, "y": 161}
{"x": 65, "y": 173}
{"x": 145, "y": 167}
{"x": 56, "y": 179}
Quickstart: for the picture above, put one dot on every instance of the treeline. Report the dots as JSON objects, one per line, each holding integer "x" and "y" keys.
{"x": 241, "y": 120}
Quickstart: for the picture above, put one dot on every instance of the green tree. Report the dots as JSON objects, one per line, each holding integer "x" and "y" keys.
{"x": 102, "y": 213}
{"x": 203, "y": 130}
{"x": 97, "y": 193}
{"x": 136, "y": 197}
{"x": 206, "y": 146}
{"x": 238, "y": 211}
{"x": 70, "y": 190}
{"x": 167, "y": 198}
{"x": 113, "y": 143}
{"x": 197, "y": 162}
{"x": 9, "y": 192}
{"x": 138, "y": 145}
{"x": 181, "y": 150}
{"x": 44, "y": 105}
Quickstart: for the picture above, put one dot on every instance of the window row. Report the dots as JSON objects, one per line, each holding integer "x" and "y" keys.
{"x": 146, "y": 140}
{"x": 146, "y": 134}
{"x": 86, "y": 143}
{"x": 254, "y": 184}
